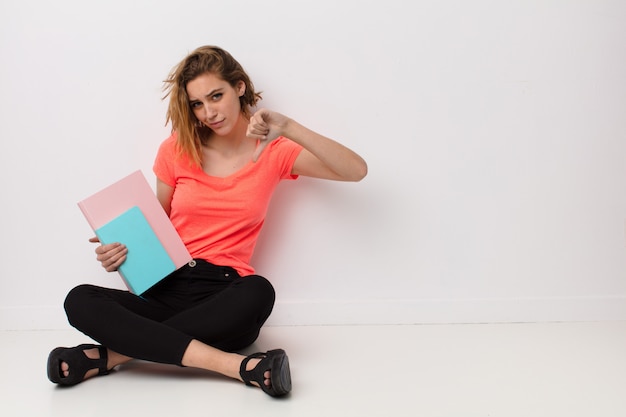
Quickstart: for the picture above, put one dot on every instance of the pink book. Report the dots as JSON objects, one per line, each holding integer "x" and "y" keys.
{"x": 134, "y": 190}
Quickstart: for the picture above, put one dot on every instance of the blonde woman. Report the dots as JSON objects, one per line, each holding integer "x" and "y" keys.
{"x": 215, "y": 176}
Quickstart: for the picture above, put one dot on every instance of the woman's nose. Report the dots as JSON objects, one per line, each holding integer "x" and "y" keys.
{"x": 209, "y": 112}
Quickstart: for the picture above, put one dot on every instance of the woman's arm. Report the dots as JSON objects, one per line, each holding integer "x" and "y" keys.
{"x": 164, "y": 194}
{"x": 321, "y": 157}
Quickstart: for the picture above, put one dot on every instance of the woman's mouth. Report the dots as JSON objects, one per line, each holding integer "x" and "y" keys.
{"x": 216, "y": 125}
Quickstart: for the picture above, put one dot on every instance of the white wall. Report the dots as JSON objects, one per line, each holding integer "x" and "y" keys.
{"x": 494, "y": 132}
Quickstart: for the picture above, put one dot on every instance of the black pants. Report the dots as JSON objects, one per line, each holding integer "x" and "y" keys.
{"x": 200, "y": 301}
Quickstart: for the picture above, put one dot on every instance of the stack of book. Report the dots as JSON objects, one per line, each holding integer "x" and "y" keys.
{"x": 128, "y": 212}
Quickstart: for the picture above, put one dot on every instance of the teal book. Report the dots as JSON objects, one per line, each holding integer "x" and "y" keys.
{"x": 147, "y": 261}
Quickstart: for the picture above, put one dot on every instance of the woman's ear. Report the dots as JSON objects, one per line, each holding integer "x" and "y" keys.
{"x": 241, "y": 88}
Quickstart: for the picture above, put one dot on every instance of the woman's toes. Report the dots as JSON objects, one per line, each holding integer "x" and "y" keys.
{"x": 65, "y": 369}
{"x": 268, "y": 381}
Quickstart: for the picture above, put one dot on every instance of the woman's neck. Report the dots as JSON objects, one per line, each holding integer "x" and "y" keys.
{"x": 230, "y": 144}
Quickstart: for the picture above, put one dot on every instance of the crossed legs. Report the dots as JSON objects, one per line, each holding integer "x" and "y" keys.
{"x": 186, "y": 321}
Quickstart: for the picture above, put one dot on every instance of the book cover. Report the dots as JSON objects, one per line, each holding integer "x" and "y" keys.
{"x": 147, "y": 261}
{"x": 128, "y": 192}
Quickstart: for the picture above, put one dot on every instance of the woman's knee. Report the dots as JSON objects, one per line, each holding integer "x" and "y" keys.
{"x": 77, "y": 301}
{"x": 261, "y": 288}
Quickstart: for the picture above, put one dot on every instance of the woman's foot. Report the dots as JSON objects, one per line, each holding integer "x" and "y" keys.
{"x": 270, "y": 372}
{"x": 70, "y": 366}
{"x": 267, "y": 375}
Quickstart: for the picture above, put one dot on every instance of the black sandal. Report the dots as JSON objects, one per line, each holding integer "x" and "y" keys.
{"x": 78, "y": 363}
{"x": 275, "y": 361}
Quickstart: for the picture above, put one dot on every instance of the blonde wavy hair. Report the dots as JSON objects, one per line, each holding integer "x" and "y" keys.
{"x": 191, "y": 133}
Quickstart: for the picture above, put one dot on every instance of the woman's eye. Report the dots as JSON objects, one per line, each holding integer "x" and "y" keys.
{"x": 217, "y": 96}
{"x": 196, "y": 104}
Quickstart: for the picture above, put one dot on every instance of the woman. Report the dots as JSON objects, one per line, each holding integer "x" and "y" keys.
{"x": 215, "y": 176}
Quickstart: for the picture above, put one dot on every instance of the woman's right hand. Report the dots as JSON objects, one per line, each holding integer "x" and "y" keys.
{"x": 111, "y": 256}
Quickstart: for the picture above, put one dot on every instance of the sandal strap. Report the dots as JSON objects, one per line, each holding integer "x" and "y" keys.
{"x": 103, "y": 361}
{"x": 252, "y": 375}
{"x": 100, "y": 362}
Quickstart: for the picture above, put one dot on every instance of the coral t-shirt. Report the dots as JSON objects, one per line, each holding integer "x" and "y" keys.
{"x": 219, "y": 219}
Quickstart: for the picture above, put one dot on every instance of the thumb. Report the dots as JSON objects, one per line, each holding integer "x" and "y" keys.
{"x": 94, "y": 239}
{"x": 261, "y": 144}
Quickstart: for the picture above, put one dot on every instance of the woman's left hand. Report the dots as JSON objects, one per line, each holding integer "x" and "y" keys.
{"x": 265, "y": 126}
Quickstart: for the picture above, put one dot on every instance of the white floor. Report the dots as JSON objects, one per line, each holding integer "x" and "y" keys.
{"x": 553, "y": 369}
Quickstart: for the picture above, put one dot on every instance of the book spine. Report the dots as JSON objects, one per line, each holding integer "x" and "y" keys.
{"x": 126, "y": 281}
{"x": 87, "y": 215}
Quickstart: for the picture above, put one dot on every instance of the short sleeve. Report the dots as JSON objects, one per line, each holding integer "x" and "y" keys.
{"x": 284, "y": 153}
{"x": 163, "y": 163}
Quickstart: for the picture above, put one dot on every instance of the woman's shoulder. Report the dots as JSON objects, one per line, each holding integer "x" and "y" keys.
{"x": 280, "y": 154}
{"x": 169, "y": 142}
{"x": 168, "y": 158}
{"x": 283, "y": 144}
{"x": 169, "y": 148}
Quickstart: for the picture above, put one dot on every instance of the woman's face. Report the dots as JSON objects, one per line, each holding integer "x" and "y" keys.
{"x": 215, "y": 102}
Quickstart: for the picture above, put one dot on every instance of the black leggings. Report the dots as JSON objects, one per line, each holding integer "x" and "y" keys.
{"x": 201, "y": 301}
